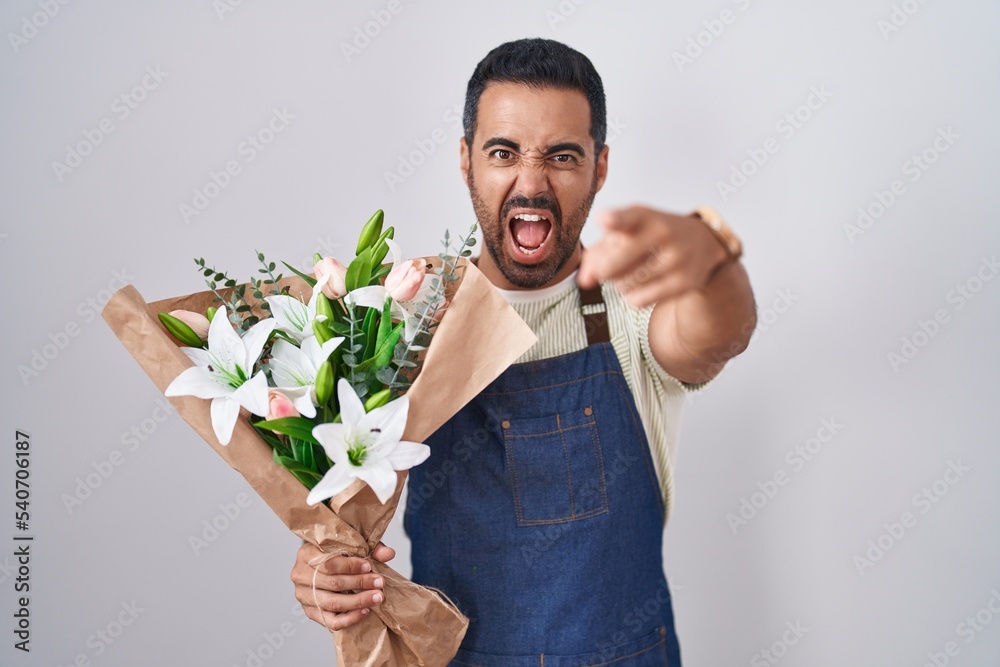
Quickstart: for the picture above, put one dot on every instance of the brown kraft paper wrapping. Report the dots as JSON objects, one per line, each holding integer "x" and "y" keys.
{"x": 477, "y": 339}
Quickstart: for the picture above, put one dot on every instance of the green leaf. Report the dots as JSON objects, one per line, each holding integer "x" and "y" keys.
{"x": 303, "y": 453}
{"x": 323, "y": 462}
{"x": 297, "y": 427}
{"x": 359, "y": 273}
{"x": 385, "y": 374}
{"x": 385, "y": 350}
{"x": 370, "y": 329}
{"x": 308, "y": 477}
{"x": 384, "y": 324}
{"x": 306, "y": 277}
{"x": 276, "y": 444}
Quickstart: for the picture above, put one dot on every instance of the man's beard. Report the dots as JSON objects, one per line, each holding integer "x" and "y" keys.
{"x": 563, "y": 239}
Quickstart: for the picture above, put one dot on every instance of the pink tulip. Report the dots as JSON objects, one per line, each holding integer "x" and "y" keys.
{"x": 279, "y": 405}
{"x": 405, "y": 279}
{"x": 197, "y": 322}
{"x": 329, "y": 266}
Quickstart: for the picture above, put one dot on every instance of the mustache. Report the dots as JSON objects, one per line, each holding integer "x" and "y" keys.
{"x": 543, "y": 202}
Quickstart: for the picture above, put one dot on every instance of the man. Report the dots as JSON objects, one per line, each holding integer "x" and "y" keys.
{"x": 547, "y": 528}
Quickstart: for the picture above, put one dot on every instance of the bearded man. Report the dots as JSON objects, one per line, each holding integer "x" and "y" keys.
{"x": 541, "y": 509}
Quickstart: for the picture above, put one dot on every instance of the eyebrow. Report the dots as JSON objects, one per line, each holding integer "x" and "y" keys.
{"x": 557, "y": 148}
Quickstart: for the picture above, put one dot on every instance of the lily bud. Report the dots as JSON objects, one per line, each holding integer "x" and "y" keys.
{"x": 405, "y": 279}
{"x": 371, "y": 231}
{"x": 377, "y": 400}
{"x": 323, "y": 307}
{"x": 181, "y": 331}
{"x": 198, "y": 322}
{"x": 335, "y": 286}
{"x": 381, "y": 248}
{"x": 279, "y": 405}
{"x": 321, "y": 331}
{"x": 210, "y": 312}
{"x": 324, "y": 383}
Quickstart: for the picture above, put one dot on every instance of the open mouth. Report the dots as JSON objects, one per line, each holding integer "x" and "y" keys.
{"x": 530, "y": 232}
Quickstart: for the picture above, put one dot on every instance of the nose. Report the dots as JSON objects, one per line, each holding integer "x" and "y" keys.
{"x": 532, "y": 178}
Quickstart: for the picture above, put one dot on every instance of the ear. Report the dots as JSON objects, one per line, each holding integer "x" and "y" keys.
{"x": 602, "y": 167}
{"x": 464, "y": 160}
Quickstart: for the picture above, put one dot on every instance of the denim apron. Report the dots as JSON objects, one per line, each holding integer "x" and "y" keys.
{"x": 539, "y": 514}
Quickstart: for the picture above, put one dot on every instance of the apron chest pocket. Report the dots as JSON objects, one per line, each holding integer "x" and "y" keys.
{"x": 556, "y": 467}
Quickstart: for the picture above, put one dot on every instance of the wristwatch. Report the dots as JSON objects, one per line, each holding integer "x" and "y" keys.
{"x": 721, "y": 230}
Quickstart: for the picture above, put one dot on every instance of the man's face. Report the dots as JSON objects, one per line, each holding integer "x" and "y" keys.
{"x": 532, "y": 176}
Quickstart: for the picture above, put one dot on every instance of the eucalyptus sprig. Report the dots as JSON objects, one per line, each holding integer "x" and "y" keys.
{"x": 240, "y": 310}
{"x": 446, "y": 275}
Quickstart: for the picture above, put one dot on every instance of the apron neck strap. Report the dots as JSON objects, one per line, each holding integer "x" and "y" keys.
{"x": 595, "y": 315}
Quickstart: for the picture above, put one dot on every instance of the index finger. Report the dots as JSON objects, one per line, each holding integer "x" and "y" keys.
{"x": 623, "y": 219}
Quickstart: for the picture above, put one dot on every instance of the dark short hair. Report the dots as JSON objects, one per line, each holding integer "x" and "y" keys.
{"x": 539, "y": 63}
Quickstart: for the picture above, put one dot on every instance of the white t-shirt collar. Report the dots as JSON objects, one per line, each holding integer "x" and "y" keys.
{"x": 521, "y": 296}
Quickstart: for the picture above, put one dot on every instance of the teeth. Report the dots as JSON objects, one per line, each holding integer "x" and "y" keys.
{"x": 529, "y": 217}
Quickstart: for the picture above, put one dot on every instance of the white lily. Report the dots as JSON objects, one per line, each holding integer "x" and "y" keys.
{"x": 374, "y": 296}
{"x": 292, "y": 315}
{"x": 294, "y": 369}
{"x": 366, "y": 446}
{"x": 223, "y": 373}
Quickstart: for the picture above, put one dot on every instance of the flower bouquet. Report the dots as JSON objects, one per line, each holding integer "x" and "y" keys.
{"x": 319, "y": 389}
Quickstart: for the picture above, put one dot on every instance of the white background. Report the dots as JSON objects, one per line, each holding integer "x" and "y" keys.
{"x": 677, "y": 130}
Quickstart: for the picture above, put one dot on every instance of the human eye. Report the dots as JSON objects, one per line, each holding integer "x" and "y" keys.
{"x": 501, "y": 154}
{"x": 565, "y": 159}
